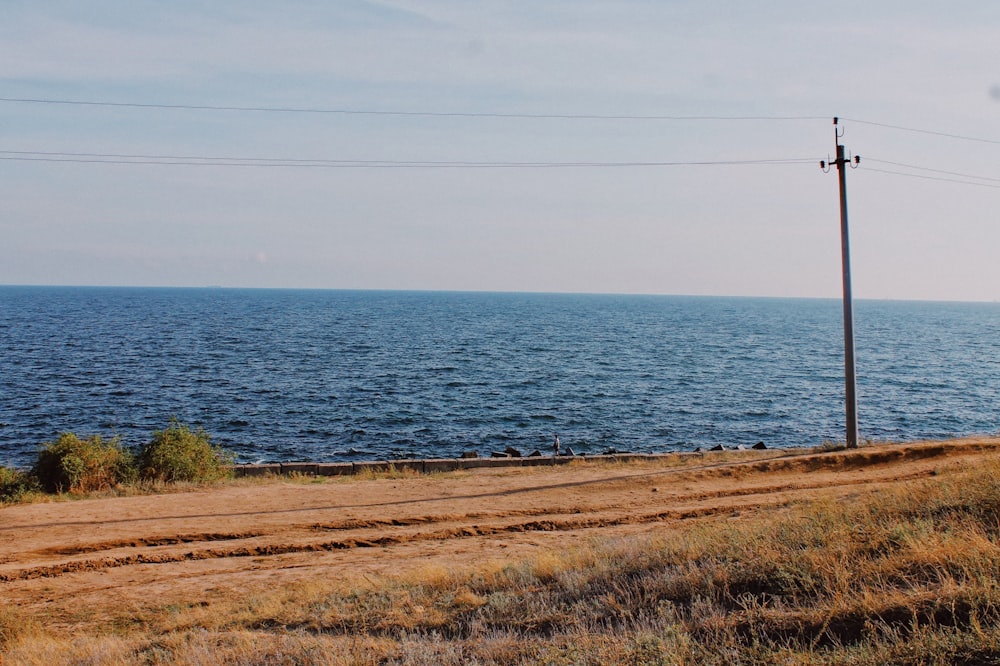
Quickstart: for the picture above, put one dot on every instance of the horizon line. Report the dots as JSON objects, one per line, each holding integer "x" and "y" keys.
{"x": 491, "y": 291}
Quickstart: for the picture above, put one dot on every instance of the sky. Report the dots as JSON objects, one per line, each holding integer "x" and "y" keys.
{"x": 626, "y": 146}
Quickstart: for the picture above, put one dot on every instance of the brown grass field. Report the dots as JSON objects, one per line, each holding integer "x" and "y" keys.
{"x": 883, "y": 554}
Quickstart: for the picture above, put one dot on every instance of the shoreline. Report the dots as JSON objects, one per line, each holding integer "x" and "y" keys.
{"x": 432, "y": 465}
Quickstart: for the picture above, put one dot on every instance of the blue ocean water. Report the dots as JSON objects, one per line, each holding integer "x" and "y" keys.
{"x": 281, "y": 375}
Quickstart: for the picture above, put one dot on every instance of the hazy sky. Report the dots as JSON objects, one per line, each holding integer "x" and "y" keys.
{"x": 738, "y": 229}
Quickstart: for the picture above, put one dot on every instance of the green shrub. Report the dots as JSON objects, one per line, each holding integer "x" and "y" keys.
{"x": 75, "y": 465}
{"x": 15, "y": 485}
{"x": 180, "y": 454}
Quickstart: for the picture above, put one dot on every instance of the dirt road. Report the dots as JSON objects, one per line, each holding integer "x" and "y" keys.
{"x": 190, "y": 547}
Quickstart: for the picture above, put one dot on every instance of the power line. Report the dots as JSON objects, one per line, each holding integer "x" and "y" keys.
{"x": 941, "y": 171}
{"x": 937, "y": 178}
{"x": 473, "y": 114}
{"x": 386, "y": 112}
{"x": 259, "y": 162}
{"x": 917, "y": 130}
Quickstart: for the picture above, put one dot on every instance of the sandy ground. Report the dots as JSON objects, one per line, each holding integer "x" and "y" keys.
{"x": 191, "y": 547}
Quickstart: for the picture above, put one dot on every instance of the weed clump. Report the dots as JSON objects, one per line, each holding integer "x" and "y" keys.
{"x": 181, "y": 454}
{"x": 15, "y": 485}
{"x": 75, "y": 465}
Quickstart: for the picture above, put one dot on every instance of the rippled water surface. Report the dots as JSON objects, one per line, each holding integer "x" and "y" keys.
{"x": 335, "y": 375}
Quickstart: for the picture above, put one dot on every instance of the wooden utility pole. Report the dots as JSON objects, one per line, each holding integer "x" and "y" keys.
{"x": 850, "y": 379}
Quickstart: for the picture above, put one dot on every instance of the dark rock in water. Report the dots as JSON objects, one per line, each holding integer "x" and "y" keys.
{"x": 535, "y": 454}
{"x": 760, "y": 446}
{"x": 512, "y": 452}
{"x": 718, "y": 447}
{"x": 470, "y": 454}
{"x": 698, "y": 449}
{"x": 570, "y": 452}
{"x": 500, "y": 454}
{"x": 611, "y": 451}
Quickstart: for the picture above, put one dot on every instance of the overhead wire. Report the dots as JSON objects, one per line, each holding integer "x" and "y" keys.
{"x": 259, "y": 162}
{"x": 917, "y": 130}
{"x": 937, "y": 178}
{"x": 189, "y": 160}
{"x": 932, "y": 170}
{"x": 477, "y": 114}
{"x": 390, "y": 112}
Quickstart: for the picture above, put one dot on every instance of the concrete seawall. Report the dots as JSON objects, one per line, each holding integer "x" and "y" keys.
{"x": 430, "y": 465}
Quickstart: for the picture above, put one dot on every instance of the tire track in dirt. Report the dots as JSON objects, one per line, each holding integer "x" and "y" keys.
{"x": 149, "y": 542}
{"x": 55, "y": 570}
{"x": 563, "y": 500}
{"x": 767, "y": 494}
{"x": 369, "y": 524}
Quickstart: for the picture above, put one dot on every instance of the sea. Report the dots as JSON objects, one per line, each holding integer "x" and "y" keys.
{"x": 313, "y": 375}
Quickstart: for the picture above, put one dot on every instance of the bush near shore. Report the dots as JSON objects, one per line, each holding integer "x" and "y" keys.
{"x": 78, "y": 465}
{"x": 180, "y": 454}
{"x": 15, "y": 485}
{"x": 74, "y": 465}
